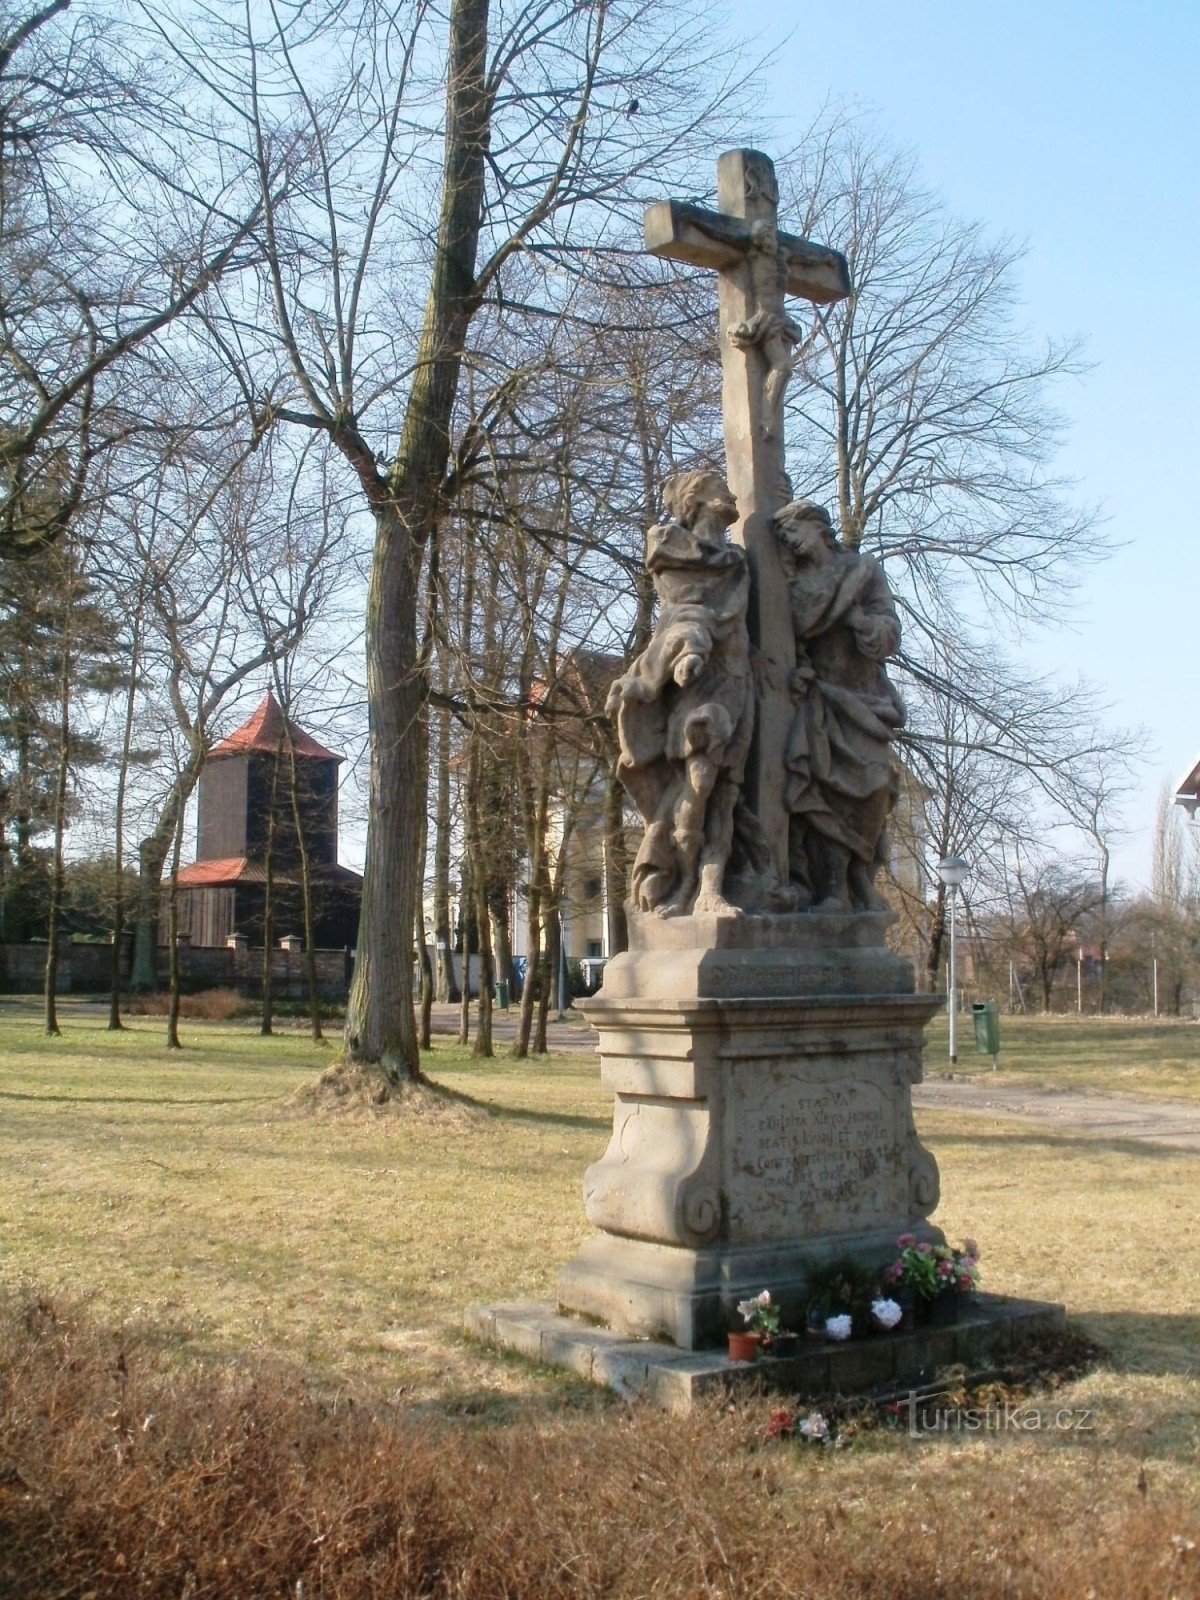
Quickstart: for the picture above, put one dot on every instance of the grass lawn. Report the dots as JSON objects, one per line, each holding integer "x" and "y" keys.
{"x": 1117, "y": 1055}
{"x": 178, "y": 1194}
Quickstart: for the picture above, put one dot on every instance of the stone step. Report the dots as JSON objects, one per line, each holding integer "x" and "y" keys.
{"x": 677, "y": 1379}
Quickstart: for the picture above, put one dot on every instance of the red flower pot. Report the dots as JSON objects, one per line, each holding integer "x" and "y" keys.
{"x": 743, "y": 1346}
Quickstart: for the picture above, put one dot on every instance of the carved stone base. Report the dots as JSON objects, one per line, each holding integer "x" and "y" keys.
{"x": 763, "y": 1069}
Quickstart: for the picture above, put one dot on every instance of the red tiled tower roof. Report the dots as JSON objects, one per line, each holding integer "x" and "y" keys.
{"x": 263, "y": 735}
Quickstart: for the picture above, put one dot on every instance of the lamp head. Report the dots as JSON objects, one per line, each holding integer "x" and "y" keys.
{"x": 954, "y": 871}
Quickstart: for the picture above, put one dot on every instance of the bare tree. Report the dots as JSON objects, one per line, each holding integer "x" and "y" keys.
{"x": 109, "y": 235}
{"x": 1052, "y": 902}
{"x": 538, "y": 158}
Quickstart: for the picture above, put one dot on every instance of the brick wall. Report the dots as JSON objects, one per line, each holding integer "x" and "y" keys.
{"x": 85, "y": 969}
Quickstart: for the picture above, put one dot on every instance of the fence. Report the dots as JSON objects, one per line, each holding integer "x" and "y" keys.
{"x": 87, "y": 969}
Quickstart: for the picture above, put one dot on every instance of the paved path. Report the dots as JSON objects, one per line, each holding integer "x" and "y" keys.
{"x": 1106, "y": 1116}
{"x": 1174, "y": 1123}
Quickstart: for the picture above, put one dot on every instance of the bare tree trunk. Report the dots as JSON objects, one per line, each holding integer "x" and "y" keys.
{"x": 616, "y": 863}
{"x": 1105, "y": 865}
{"x": 60, "y": 822}
{"x": 267, "y": 1019}
{"x": 552, "y": 943}
{"x": 533, "y": 960}
{"x": 174, "y": 980}
{"x": 501, "y": 929}
{"x": 380, "y": 1026}
{"x": 312, "y": 982}
{"x": 479, "y": 896}
{"x": 426, "y": 966}
{"x": 423, "y": 957}
{"x": 539, "y": 887}
{"x": 447, "y": 987}
{"x": 937, "y": 936}
{"x": 464, "y": 901}
{"x": 114, "y": 1002}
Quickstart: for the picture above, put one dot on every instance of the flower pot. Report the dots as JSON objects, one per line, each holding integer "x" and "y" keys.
{"x": 942, "y": 1310}
{"x": 907, "y": 1301}
{"x": 743, "y": 1346}
{"x": 783, "y": 1346}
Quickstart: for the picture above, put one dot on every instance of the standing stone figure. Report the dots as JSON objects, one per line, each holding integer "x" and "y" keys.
{"x": 685, "y": 708}
{"x": 841, "y": 782}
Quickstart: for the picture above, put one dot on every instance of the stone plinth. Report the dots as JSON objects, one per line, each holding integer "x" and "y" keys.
{"x": 763, "y": 1070}
{"x": 987, "y": 1333}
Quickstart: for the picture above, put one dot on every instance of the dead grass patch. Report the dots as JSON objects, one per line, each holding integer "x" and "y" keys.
{"x": 121, "y": 1476}
{"x": 209, "y": 1005}
{"x": 355, "y": 1092}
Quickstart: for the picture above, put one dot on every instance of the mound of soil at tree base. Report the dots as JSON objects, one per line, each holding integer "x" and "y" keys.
{"x": 348, "y": 1089}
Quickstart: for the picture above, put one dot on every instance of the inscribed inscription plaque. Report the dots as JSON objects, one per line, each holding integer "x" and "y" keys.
{"x": 816, "y": 1155}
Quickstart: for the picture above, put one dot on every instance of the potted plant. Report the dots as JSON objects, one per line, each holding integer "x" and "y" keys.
{"x": 782, "y": 1345}
{"x": 938, "y": 1275}
{"x": 837, "y": 1290}
{"x": 761, "y": 1316}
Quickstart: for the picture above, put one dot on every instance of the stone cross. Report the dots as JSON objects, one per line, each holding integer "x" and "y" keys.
{"x": 756, "y": 266}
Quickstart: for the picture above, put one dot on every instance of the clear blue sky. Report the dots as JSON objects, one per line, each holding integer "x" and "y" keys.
{"x": 1075, "y": 127}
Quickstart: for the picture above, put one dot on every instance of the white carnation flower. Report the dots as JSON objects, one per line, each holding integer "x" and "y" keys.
{"x": 839, "y": 1327}
{"x": 886, "y": 1312}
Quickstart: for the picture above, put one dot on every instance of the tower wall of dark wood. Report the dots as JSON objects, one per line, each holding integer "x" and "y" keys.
{"x": 221, "y": 818}
{"x": 316, "y": 784}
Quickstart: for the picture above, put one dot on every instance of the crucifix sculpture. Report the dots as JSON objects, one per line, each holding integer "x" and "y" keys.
{"x": 756, "y": 265}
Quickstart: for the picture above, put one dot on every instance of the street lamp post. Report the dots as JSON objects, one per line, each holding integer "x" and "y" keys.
{"x": 953, "y": 872}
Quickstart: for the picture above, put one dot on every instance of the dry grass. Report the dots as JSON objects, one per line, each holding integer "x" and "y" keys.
{"x": 1115, "y": 1055}
{"x": 307, "y": 1260}
{"x": 120, "y": 1477}
{"x": 346, "y": 1090}
{"x": 209, "y": 1005}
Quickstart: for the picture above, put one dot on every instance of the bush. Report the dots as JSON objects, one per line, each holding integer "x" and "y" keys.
{"x": 125, "y": 1477}
{"x": 210, "y": 1005}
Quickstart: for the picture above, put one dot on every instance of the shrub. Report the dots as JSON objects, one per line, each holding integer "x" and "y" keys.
{"x": 124, "y": 1475}
{"x": 210, "y": 1005}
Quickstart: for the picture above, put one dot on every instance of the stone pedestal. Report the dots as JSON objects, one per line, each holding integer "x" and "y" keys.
{"x": 763, "y": 1068}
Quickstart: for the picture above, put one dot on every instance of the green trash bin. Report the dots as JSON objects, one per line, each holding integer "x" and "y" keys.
{"x": 986, "y": 1016}
{"x": 502, "y": 993}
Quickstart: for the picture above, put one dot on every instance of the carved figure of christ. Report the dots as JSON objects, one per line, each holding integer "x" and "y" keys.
{"x": 756, "y": 266}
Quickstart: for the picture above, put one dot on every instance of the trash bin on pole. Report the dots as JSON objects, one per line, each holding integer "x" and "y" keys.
{"x": 986, "y": 1017}
{"x": 502, "y": 993}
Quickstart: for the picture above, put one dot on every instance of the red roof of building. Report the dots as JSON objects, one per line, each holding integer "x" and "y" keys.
{"x": 222, "y": 872}
{"x": 264, "y": 734}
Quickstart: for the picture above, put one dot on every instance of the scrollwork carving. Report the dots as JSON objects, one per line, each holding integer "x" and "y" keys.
{"x": 700, "y": 1212}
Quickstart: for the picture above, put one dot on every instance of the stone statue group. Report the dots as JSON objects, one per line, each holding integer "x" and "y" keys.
{"x": 686, "y": 710}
